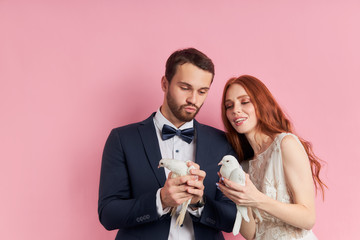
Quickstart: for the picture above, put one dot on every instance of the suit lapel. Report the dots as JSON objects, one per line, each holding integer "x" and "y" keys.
{"x": 152, "y": 149}
{"x": 201, "y": 151}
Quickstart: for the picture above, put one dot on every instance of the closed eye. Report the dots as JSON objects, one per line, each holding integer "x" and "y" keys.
{"x": 228, "y": 106}
{"x": 203, "y": 91}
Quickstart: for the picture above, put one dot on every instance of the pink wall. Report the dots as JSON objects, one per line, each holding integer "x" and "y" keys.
{"x": 72, "y": 70}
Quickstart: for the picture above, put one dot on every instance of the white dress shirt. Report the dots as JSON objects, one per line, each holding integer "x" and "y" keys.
{"x": 176, "y": 148}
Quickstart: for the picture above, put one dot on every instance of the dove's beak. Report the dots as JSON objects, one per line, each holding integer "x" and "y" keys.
{"x": 220, "y": 163}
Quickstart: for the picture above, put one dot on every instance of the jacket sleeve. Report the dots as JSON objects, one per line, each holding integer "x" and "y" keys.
{"x": 117, "y": 208}
{"x": 219, "y": 212}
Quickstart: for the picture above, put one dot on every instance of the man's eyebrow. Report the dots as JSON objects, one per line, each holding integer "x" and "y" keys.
{"x": 185, "y": 83}
{"x": 189, "y": 85}
{"x": 204, "y": 88}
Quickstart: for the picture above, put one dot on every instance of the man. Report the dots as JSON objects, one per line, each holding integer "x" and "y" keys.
{"x": 135, "y": 195}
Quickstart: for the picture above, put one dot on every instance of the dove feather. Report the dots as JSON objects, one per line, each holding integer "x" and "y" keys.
{"x": 232, "y": 170}
{"x": 178, "y": 168}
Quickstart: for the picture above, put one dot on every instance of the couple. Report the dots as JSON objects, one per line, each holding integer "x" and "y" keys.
{"x": 135, "y": 196}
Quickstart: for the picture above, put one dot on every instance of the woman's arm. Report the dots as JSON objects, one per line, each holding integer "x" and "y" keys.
{"x": 300, "y": 184}
{"x": 247, "y": 229}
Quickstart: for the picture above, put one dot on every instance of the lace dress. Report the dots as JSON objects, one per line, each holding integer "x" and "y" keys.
{"x": 267, "y": 174}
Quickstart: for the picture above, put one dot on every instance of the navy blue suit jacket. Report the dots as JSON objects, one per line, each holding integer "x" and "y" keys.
{"x": 130, "y": 178}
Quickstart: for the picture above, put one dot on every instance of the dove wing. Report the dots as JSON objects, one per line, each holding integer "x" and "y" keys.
{"x": 238, "y": 176}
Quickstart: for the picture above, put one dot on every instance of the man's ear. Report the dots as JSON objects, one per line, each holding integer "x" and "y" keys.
{"x": 164, "y": 84}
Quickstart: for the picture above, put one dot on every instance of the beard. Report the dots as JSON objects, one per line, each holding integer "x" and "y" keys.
{"x": 179, "y": 112}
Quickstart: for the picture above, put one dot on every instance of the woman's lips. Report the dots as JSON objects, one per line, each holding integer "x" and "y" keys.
{"x": 239, "y": 121}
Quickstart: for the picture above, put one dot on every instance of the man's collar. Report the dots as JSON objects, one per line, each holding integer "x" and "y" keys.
{"x": 160, "y": 120}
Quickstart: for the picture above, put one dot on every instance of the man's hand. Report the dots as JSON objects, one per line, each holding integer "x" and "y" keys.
{"x": 174, "y": 191}
{"x": 196, "y": 183}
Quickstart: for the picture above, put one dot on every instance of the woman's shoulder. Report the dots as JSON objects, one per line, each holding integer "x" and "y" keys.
{"x": 288, "y": 140}
{"x": 291, "y": 148}
{"x": 287, "y": 143}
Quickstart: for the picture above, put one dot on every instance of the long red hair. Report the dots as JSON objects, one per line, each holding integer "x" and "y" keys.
{"x": 271, "y": 121}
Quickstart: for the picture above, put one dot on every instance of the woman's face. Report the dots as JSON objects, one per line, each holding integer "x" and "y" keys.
{"x": 240, "y": 111}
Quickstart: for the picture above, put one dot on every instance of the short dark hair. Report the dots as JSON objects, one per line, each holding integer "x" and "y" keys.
{"x": 188, "y": 55}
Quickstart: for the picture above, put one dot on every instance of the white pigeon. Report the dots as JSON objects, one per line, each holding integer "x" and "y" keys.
{"x": 232, "y": 170}
{"x": 178, "y": 168}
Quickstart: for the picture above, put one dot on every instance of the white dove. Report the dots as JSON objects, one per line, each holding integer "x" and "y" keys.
{"x": 178, "y": 168}
{"x": 232, "y": 170}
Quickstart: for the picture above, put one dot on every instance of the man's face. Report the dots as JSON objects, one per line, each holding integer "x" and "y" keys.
{"x": 186, "y": 93}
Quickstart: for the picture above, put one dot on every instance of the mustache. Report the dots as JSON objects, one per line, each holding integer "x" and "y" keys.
{"x": 189, "y": 105}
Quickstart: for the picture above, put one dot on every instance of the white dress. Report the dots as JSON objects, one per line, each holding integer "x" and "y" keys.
{"x": 267, "y": 173}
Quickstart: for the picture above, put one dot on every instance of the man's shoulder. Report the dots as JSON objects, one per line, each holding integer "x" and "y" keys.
{"x": 204, "y": 127}
{"x": 214, "y": 139}
{"x": 133, "y": 126}
{"x": 210, "y": 132}
{"x": 127, "y": 127}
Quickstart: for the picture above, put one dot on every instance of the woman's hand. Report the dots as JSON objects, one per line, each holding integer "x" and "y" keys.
{"x": 247, "y": 195}
{"x": 242, "y": 195}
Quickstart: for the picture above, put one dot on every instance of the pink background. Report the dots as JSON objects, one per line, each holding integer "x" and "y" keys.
{"x": 71, "y": 71}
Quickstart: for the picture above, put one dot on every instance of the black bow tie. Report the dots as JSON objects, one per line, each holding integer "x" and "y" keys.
{"x": 168, "y": 132}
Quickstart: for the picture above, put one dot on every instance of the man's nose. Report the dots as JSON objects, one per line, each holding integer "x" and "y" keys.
{"x": 192, "y": 98}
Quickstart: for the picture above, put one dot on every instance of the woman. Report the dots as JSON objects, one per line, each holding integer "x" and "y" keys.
{"x": 283, "y": 170}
